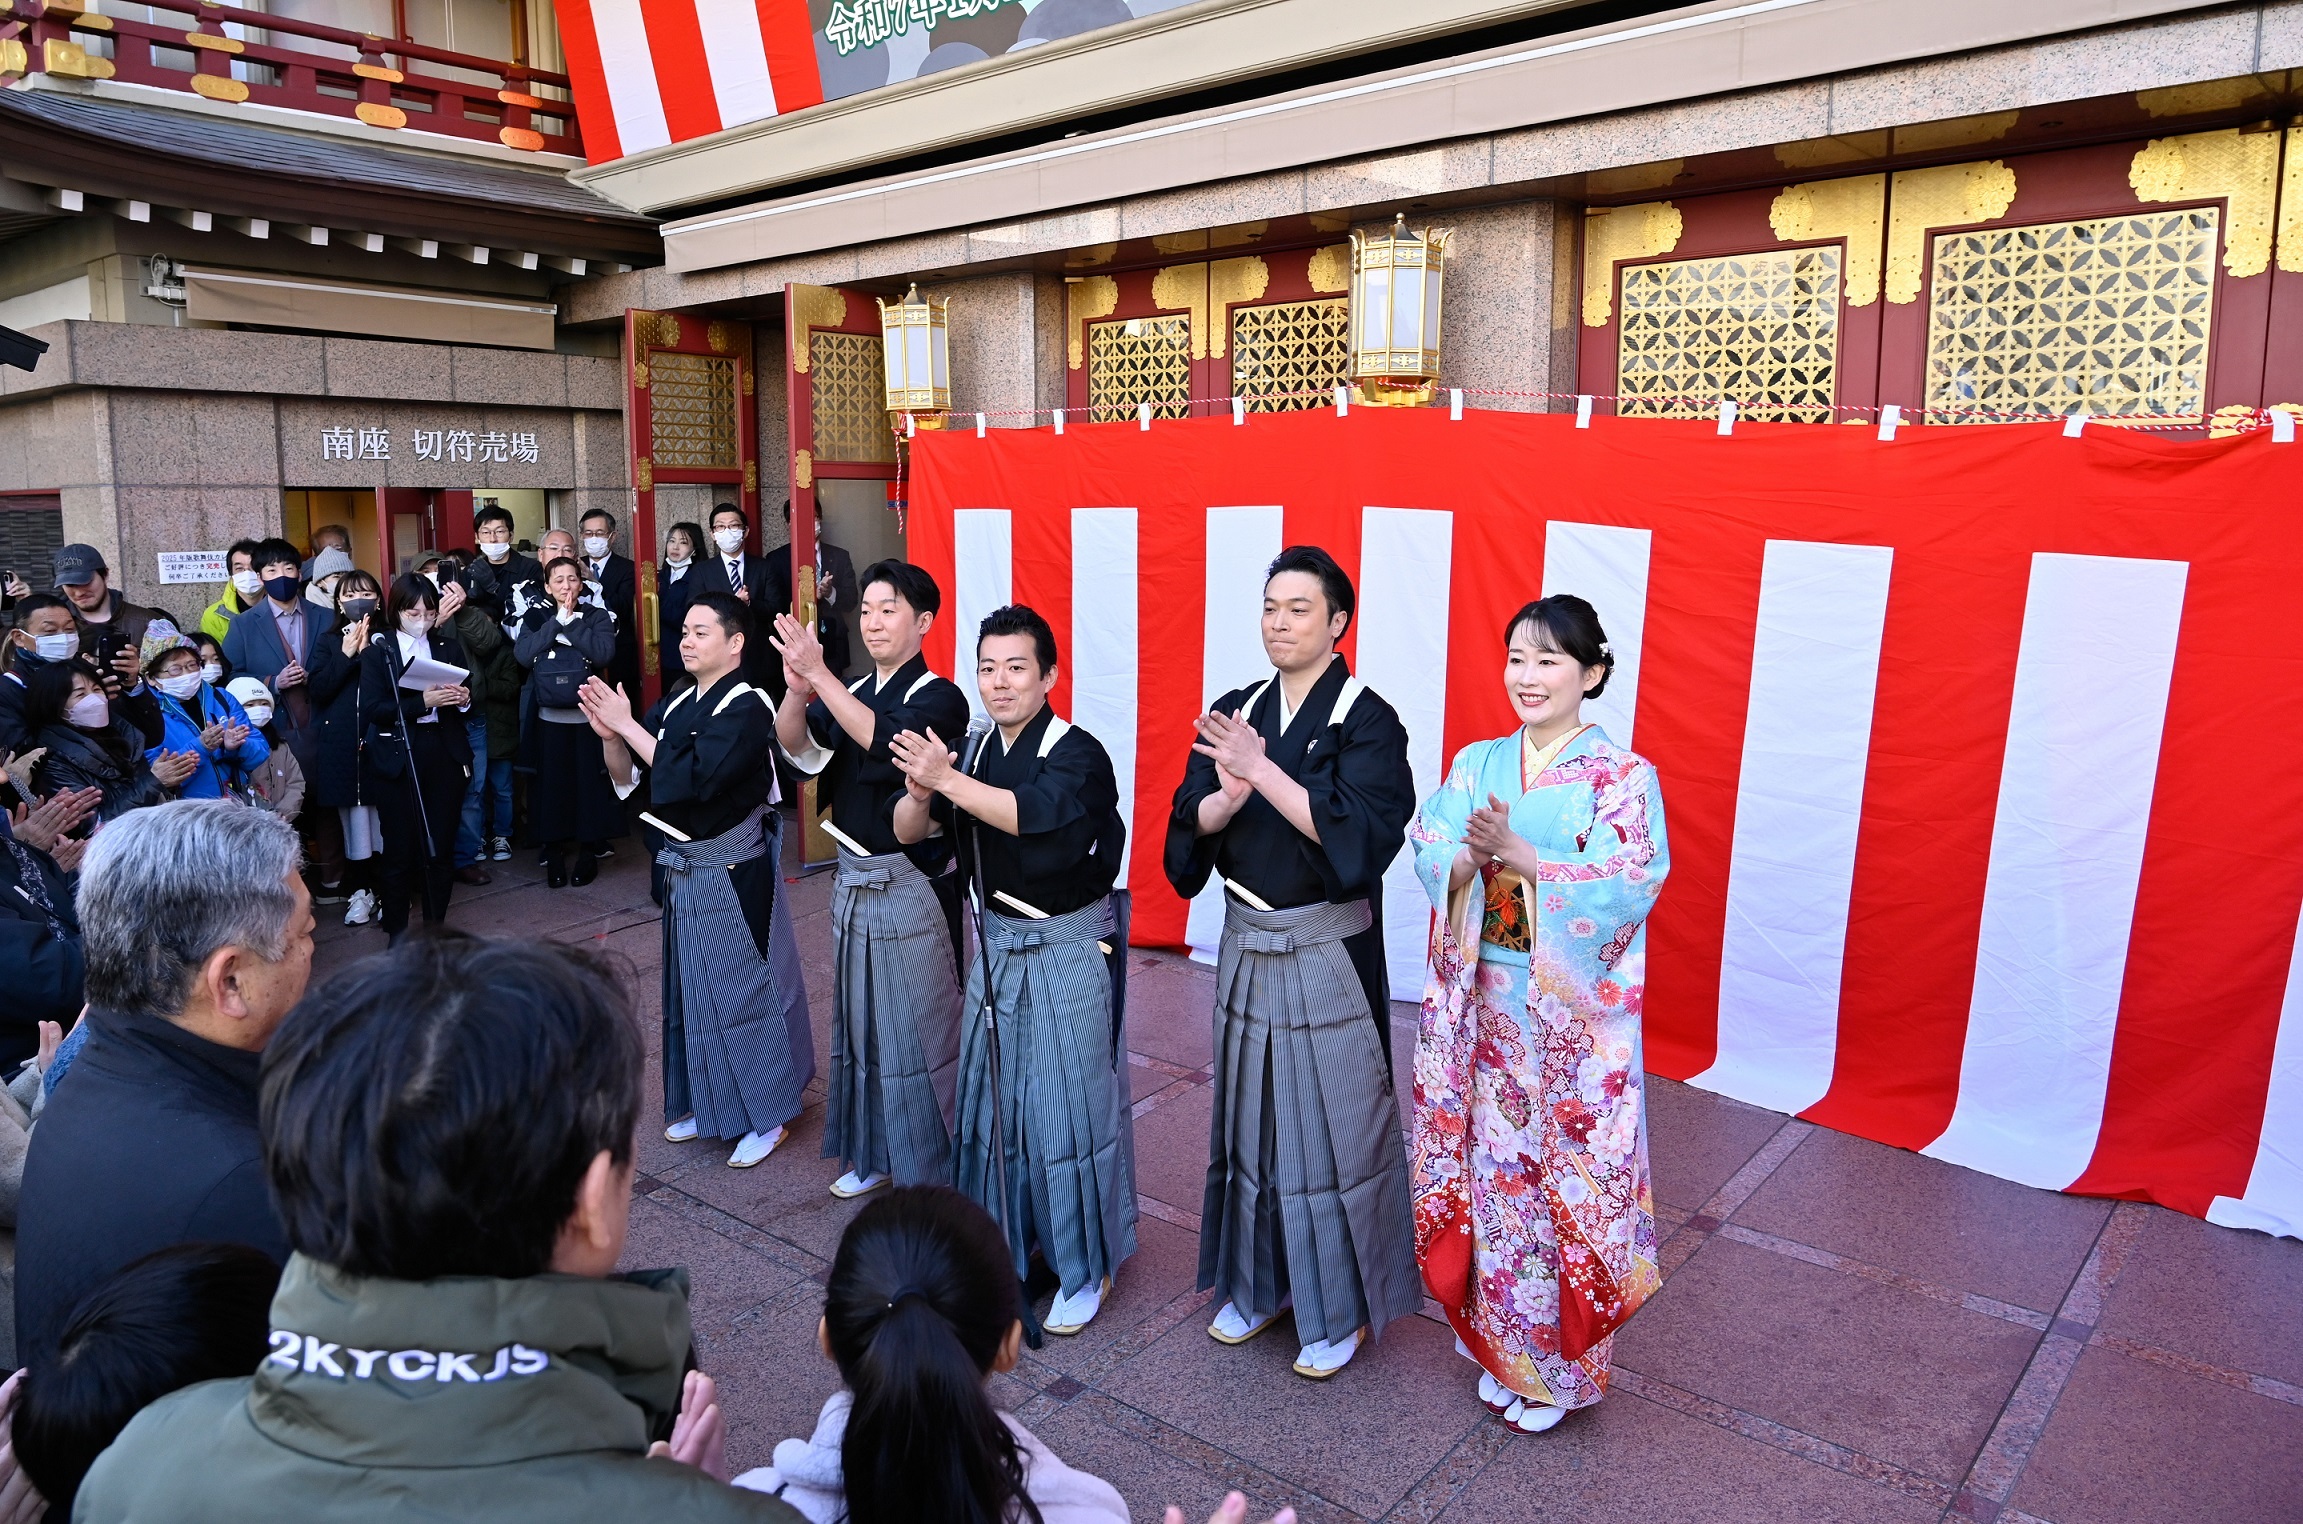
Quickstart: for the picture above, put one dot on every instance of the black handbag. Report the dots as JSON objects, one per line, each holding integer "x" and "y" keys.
{"x": 559, "y": 676}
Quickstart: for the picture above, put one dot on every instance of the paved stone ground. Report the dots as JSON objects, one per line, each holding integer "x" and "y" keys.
{"x": 1849, "y": 1332}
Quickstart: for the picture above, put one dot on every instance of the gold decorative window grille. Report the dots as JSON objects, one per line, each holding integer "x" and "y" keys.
{"x": 2112, "y": 312}
{"x": 850, "y": 397}
{"x": 1136, "y": 361}
{"x": 1290, "y": 355}
{"x": 1761, "y": 330}
{"x": 692, "y": 412}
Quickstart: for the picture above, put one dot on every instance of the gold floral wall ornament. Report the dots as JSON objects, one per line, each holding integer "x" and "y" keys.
{"x": 813, "y": 307}
{"x": 1612, "y": 234}
{"x": 1330, "y": 269}
{"x": 667, "y": 330}
{"x": 752, "y": 476}
{"x": 644, "y": 474}
{"x": 1949, "y": 195}
{"x": 1851, "y": 209}
{"x": 640, "y": 375}
{"x": 1229, "y": 281}
{"x": 1185, "y": 287}
{"x": 1089, "y": 298}
{"x": 745, "y": 371}
{"x": 2235, "y": 165}
{"x": 803, "y": 469}
{"x": 716, "y": 335}
{"x": 2291, "y": 204}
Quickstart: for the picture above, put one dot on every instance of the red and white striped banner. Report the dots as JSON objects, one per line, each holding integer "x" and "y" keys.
{"x": 1982, "y": 748}
{"x": 650, "y": 72}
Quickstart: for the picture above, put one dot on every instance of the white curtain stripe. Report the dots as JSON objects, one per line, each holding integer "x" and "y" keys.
{"x": 983, "y": 562}
{"x": 2083, "y": 735}
{"x": 1606, "y": 566}
{"x": 738, "y": 58}
{"x": 1241, "y": 542}
{"x": 630, "y": 70}
{"x": 1103, "y": 655}
{"x": 1406, "y": 562}
{"x": 1798, "y": 808}
{"x": 2274, "y": 1199}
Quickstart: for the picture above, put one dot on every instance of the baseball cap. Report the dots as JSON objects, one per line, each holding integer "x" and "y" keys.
{"x": 78, "y": 564}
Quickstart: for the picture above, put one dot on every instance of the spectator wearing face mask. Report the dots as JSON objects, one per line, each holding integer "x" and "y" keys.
{"x": 326, "y": 570}
{"x": 676, "y": 582}
{"x": 45, "y": 635}
{"x": 492, "y": 725}
{"x": 240, "y": 594}
{"x": 275, "y": 642}
{"x": 214, "y": 670}
{"x": 324, "y": 539}
{"x": 86, "y": 745}
{"x": 199, "y": 718}
{"x": 332, "y": 780}
{"x": 571, "y": 800}
{"x": 277, "y": 783}
{"x": 618, "y": 581}
{"x": 500, "y": 567}
{"x": 415, "y": 752}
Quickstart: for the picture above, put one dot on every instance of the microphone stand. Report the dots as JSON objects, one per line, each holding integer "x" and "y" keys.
{"x": 395, "y": 667}
{"x": 1033, "y": 1333}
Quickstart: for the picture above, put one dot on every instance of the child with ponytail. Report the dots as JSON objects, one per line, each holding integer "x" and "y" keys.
{"x": 919, "y": 1312}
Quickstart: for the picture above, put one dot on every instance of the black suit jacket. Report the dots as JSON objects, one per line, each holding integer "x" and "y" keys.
{"x": 619, "y": 590}
{"x": 771, "y": 595}
{"x": 839, "y": 568}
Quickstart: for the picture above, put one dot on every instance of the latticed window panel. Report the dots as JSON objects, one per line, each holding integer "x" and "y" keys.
{"x": 1290, "y": 355}
{"x": 1761, "y": 330}
{"x": 692, "y": 412}
{"x": 850, "y": 397}
{"x": 2112, "y": 312}
{"x": 1136, "y": 361}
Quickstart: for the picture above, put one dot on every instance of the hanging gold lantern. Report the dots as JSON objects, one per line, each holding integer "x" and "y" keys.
{"x": 915, "y": 338}
{"x": 1395, "y": 281}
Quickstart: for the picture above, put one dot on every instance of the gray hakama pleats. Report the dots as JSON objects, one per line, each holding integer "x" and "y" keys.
{"x": 1064, "y": 1116}
{"x": 738, "y": 1050}
{"x": 1307, "y": 1176}
{"x": 895, "y": 1023}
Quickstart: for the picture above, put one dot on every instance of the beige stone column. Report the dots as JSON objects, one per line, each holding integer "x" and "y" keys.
{"x": 1503, "y": 328}
{"x": 1006, "y": 351}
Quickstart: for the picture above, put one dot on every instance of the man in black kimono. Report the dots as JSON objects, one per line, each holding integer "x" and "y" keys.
{"x": 1298, "y": 792}
{"x": 738, "y": 1050}
{"x": 1046, "y": 1141}
{"x": 895, "y": 908}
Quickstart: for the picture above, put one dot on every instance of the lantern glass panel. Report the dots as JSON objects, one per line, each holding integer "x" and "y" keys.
{"x": 1375, "y": 309}
{"x": 892, "y": 350}
{"x": 940, "y": 356}
{"x": 1407, "y": 309}
{"x": 916, "y": 372}
{"x": 1431, "y": 309}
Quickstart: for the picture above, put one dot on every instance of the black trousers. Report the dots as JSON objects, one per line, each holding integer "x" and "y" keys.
{"x": 410, "y": 863}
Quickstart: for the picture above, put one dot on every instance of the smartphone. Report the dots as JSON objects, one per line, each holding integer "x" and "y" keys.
{"x": 109, "y": 645}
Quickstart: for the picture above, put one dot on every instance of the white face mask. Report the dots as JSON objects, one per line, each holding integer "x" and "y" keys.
{"x": 57, "y": 647}
{"x": 679, "y": 560}
{"x": 729, "y": 540}
{"x": 259, "y": 715}
{"x": 495, "y": 550}
{"x": 212, "y": 672}
{"x": 415, "y": 624}
{"x": 181, "y": 686}
{"x": 595, "y": 546}
{"x": 90, "y": 711}
{"x": 248, "y": 585}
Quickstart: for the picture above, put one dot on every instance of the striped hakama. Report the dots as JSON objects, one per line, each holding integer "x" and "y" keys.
{"x": 738, "y": 1051}
{"x": 1068, "y": 1133}
{"x": 1307, "y": 1180}
{"x": 895, "y": 1022}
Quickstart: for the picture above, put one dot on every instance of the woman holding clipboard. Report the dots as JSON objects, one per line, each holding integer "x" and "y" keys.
{"x": 413, "y": 763}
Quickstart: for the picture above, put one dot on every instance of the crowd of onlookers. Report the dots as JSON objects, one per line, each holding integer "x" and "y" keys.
{"x": 350, "y": 1251}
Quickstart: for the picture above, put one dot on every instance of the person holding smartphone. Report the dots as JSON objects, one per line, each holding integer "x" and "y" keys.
{"x": 332, "y": 780}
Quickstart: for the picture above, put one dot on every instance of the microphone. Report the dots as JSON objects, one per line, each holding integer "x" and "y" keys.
{"x": 980, "y": 728}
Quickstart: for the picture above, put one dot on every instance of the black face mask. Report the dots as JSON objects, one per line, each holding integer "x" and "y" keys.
{"x": 358, "y": 608}
{"x": 283, "y": 589}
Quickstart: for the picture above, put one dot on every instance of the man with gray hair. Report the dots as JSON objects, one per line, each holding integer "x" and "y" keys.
{"x": 197, "y": 930}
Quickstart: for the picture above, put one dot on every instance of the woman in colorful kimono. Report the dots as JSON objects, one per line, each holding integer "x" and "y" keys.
{"x": 1543, "y": 852}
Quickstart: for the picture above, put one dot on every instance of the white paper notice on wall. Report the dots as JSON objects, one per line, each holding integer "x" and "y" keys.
{"x": 192, "y": 566}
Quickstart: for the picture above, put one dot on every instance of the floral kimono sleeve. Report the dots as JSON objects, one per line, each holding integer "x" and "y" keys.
{"x": 1436, "y": 834}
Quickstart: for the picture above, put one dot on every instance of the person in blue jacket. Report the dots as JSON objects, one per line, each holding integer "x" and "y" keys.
{"x": 200, "y": 716}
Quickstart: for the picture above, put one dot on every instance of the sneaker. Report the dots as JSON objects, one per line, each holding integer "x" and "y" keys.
{"x": 1231, "y": 1326}
{"x": 1072, "y": 1313}
{"x": 682, "y": 1131}
{"x": 362, "y": 909}
{"x": 754, "y": 1147}
{"x": 328, "y": 894}
{"x": 1320, "y": 1359}
{"x": 500, "y": 849}
{"x": 851, "y": 1185}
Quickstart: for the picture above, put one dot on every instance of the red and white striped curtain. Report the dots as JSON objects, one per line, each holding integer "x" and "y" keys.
{"x": 1981, "y": 748}
{"x": 650, "y": 72}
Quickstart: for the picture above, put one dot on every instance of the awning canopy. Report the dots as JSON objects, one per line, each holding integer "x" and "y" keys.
{"x": 338, "y": 306}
